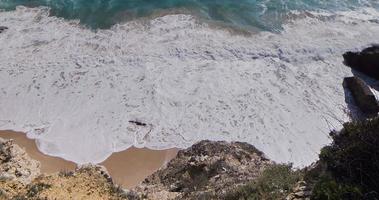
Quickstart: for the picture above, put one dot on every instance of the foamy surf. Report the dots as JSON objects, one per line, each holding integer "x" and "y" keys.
{"x": 75, "y": 90}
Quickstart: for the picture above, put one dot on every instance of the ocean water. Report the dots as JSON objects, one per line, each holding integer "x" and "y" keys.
{"x": 262, "y": 14}
{"x": 75, "y": 88}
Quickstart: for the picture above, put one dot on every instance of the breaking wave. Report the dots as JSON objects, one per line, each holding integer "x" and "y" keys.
{"x": 77, "y": 91}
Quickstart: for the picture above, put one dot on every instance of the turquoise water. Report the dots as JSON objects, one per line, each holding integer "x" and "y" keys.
{"x": 262, "y": 14}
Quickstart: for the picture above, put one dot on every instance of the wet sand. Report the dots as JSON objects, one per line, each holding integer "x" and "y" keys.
{"x": 127, "y": 168}
{"x": 49, "y": 164}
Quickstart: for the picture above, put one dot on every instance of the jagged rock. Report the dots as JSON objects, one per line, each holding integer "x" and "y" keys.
{"x": 366, "y": 61}
{"x": 363, "y": 96}
{"x": 3, "y": 28}
{"x": 15, "y": 164}
{"x": 97, "y": 168}
{"x": 300, "y": 192}
{"x": 207, "y": 170}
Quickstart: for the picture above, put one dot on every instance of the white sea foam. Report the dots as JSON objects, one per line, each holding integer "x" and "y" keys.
{"x": 75, "y": 90}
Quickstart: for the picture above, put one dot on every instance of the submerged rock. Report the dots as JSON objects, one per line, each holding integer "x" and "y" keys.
{"x": 363, "y": 96}
{"x": 207, "y": 170}
{"x": 366, "y": 61}
{"x": 3, "y": 28}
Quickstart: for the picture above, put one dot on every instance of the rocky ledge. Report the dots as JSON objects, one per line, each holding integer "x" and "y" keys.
{"x": 366, "y": 61}
{"x": 15, "y": 164}
{"x": 207, "y": 170}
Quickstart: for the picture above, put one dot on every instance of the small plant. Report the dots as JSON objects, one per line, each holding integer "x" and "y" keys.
{"x": 351, "y": 163}
{"x": 66, "y": 173}
{"x": 35, "y": 189}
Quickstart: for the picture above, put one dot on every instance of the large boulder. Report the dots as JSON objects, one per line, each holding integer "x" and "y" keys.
{"x": 366, "y": 61}
{"x": 362, "y": 94}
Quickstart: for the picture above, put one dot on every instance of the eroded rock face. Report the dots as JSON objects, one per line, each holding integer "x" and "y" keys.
{"x": 302, "y": 191}
{"x": 207, "y": 170}
{"x": 363, "y": 96}
{"x": 90, "y": 182}
{"x": 366, "y": 61}
{"x": 15, "y": 164}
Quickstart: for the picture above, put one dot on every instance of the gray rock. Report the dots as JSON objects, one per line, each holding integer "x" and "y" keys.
{"x": 362, "y": 95}
{"x": 300, "y": 192}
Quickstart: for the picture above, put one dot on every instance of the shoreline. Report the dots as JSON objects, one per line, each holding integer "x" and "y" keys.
{"x": 127, "y": 168}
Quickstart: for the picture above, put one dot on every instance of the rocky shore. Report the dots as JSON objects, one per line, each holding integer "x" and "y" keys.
{"x": 207, "y": 170}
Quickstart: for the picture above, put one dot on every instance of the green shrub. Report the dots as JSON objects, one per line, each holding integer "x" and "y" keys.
{"x": 351, "y": 163}
{"x": 275, "y": 182}
{"x": 328, "y": 189}
{"x": 35, "y": 189}
{"x": 66, "y": 173}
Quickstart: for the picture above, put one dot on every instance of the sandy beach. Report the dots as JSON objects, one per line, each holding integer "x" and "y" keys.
{"x": 127, "y": 168}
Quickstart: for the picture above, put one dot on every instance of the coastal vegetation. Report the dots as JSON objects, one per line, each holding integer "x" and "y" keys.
{"x": 350, "y": 163}
{"x": 276, "y": 182}
{"x": 347, "y": 169}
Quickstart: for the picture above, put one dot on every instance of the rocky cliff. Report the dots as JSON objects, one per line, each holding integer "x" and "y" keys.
{"x": 207, "y": 170}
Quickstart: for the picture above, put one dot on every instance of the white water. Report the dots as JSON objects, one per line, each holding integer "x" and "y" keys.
{"x": 75, "y": 90}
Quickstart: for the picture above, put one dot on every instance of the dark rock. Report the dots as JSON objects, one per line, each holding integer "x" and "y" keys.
{"x": 366, "y": 61}
{"x": 362, "y": 95}
{"x": 137, "y": 123}
{"x": 3, "y": 28}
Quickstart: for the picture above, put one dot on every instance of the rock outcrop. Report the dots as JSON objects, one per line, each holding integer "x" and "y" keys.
{"x": 20, "y": 178}
{"x": 366, "y": 61}
{"x": 207, "y": 170}
{"x": 363, "y": 96}
{"x": 302, "y": 191}
{"x": 15, "y": 164}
